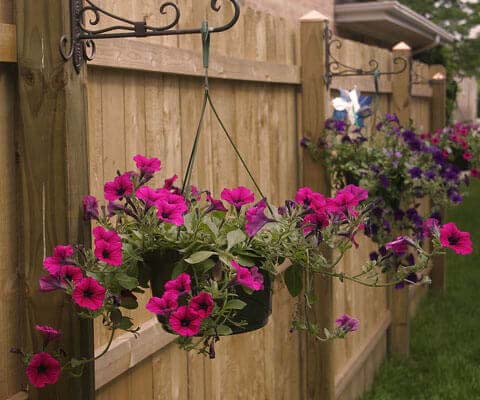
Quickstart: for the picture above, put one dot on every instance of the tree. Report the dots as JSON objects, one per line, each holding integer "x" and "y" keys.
{"x": 458, "y": 17}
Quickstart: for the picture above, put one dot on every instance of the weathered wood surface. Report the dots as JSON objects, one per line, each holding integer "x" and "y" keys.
{"x": 53, "y": 176}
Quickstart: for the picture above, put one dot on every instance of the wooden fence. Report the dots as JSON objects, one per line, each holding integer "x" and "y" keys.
{"x": 144, "y": 97}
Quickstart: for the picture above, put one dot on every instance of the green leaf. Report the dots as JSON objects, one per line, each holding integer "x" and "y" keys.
{"x": 178, "y": 269}
{"x": 235, "y": 304}
{"x": 293, "y": 280}
{"x": 127, "y": 282}
{"x": 125, "y": 323}
{"x": 246, "y": 261}
{"x": 224, "y": 330}
{"x": 208, "y": 221}
{"x": 207, "y": 265}
{"x": 235, "y": 237}
{"x": 129, "y": 303}
{"x": 116, "y": 316}
{"x": 199, "y": 256}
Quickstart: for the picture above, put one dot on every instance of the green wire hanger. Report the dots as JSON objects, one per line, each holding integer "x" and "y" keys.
{"x": 207, "y": 100}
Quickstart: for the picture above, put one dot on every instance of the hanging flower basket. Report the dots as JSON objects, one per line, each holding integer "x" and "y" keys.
{"x": 258, "y": 305}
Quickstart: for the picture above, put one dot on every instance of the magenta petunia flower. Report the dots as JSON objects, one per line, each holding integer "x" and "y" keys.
{"x": 399, "y": 245}
{"x": 88, "y": 293}
{"x": 360, "y": 194}
{"x": 249, "y": 278}
{"x": 238, "y": 197}
{"x": 164, "y": 305}
{"x": 180, "y": 285}
{"x": 120, "y": 187}
{"x": 215, "y": 204}
{"x": 168, "y": 185}
{"x": 90, "y": 208}
{"x": 147, "y": 166}
{"x": 467, "y": 156}
{"x": 109, "y": 252}
{"x": 344, "y": 201}
{"x": 429, "y": 227}
{"x": 173, "y": 199}
{"x": 100, "y": 233}
{"x": 148, "y": 195}
{"x": 170, "y": 213}
{"x": 347, "y": 323}
{"x": 455, "y": 239}
{"x": 307, "y": 197}
{"x": 256, "y": 218}
{"x": 185, "y": 321}
{"x": 50, "y": 283}
{"x": 61, "y": 257}
{"x": 43, "y": 369}
{"x": 49, "y": 334}
{"x": 203, "y": 304}
{"x": 315, "y": 222}
{"x": 71, "y": 274}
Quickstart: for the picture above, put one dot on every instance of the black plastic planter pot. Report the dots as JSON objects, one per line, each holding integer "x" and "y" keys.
{"x": 258, "y": 305}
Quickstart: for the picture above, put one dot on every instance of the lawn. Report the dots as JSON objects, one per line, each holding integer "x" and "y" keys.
{"x": 445, "y": 345}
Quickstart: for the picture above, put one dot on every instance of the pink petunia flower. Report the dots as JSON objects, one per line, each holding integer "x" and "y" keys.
{"x": 120, "y": 187}
{"x": 256, "y": 218}
{"x": 148, "y": 195}
{"x": 360, "y": 194}
{"x": 109, "y": 252}
{"x": 43, "y": 369}
{"x": 50, "y": 283}
{"x": 112, "y": 237}
{"x": 249, "y": 278}
{"x": 168, "y": 185}
{"x": 315, "y": 222}
{"x": 343, "y": 202}
{"x": 399, "y": 245}
{"x": 203, "y": 304}
{"x": 88, "y": 293}
{"x": 173, "y": 199}
{"x": 307, "y": 197}
{"x": 238, "y": 197}
{"x": 455, "y": 239}
{"x": 180, "y": 285}
{"x": 467, "y": 156}
{"x": 147, "y": 166}
{"x": 90, "y": 208}
{"x": 49, "y": 334}
{"x": 170, "y": 213}
{"x": 347, "y": 323}
{"x": 61, "y": 257}
{"x": 475, "y": 172}
{"x": 164, "y": 305}
{"x": 429, "y": 227}
{"x": 185, "y": 321}
{"x": 71, "y": 274}
{"x": 215, "y": 204}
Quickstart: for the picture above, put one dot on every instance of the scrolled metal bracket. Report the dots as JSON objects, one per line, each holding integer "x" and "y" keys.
{"x": 334, "y": 67}
{"x": 80, "y": 47}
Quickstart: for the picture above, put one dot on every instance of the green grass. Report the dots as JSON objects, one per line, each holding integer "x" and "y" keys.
{"x": 445, "y": 343}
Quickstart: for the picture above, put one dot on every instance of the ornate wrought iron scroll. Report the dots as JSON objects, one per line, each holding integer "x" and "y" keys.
{"x": 80, "y": 44}
{"x": 334, "y": 67}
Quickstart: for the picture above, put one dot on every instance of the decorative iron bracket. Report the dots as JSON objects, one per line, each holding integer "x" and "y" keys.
{"x": 80, "y": 44}
{"x": 334, "y": 67}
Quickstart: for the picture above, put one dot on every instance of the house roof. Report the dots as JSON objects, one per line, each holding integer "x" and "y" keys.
{"x": 389, "y": 22}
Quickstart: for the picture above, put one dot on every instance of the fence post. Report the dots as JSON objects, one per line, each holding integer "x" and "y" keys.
{"x": 439, "y": 121}
{"x": 318, "y": 377}
{"x": 398, "y": 299}
{"x": 52, "y": 153}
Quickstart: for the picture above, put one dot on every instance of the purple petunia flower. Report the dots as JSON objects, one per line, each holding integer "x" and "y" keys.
{"x": 256, "y": 218}
{"x": 415, "y": 172}
{"x": 347, "y": 323}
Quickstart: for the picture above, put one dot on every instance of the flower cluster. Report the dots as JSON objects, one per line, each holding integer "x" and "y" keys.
{"x": 460, "y": 145}
{"x": 210, "y": 262}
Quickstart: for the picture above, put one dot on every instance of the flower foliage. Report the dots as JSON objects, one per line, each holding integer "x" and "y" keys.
{"x": 205, "y": 258}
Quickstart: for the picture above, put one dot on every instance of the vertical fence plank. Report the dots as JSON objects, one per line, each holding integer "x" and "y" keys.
{"x": 319, "y": 372}
{"x": 398, "y": 299}
{"x": 52, "y": 147}
{"x": 438, "y": 121}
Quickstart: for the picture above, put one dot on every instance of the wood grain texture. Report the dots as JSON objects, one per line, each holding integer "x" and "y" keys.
{"x": 318, "y": 357}
{"x": 52, "y": 153}
{"x": 11, "y": 369}
{"x": 8, "y": 43}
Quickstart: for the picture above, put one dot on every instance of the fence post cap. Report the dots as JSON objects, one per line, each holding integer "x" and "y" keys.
{"x": 314, "y": 16}
{"x": 401, "y": 46}
{"x": 438, "y": 77}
